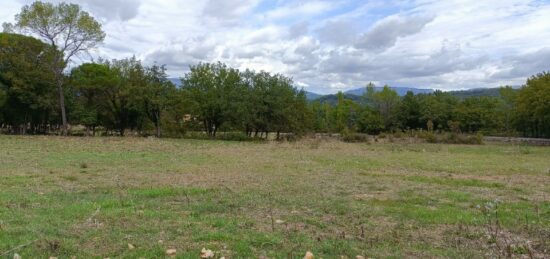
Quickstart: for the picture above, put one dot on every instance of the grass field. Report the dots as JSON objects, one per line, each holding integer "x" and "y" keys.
{"x": 92, "y": 197}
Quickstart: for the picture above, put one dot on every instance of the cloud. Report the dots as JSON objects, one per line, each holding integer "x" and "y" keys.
{"x": 333, "y": 45}
{"x": 298, "y": 30}
{"x": 518, "y": 66}
{"x": 299, "y": 9}
{"x": 107, "y": 10}
{"x": 385, "y": 33}
{"x": 339, "y": 32}
{"x": 123, "y": 10}
{"x": 228, "y": 11}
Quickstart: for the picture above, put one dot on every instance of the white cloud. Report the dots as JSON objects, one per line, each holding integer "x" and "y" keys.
{"x": 298, "y": 9}
{"x": 387, "y": 31}
{"x": 334, "y": 45}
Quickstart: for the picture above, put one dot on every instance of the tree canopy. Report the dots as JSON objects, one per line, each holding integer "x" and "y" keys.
{"x": 67, "y": 29}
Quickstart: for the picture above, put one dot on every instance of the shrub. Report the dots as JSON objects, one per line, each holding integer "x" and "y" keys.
{"x": 454, "y": 138}
{"x": 196, "y": 135}
{"x": 355, "y": 138}
{"x": 430, "y": 137}
{"x": 451, "y": 138}
{"x": 234, "y": 136}
{"x": 399, "y": 134}
{"x": 291, "y": 137}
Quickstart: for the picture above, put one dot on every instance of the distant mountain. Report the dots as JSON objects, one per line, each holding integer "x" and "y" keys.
{"x": 479, "y": 92}
{"x": 175, "y": 81}
{"x": 401, "y": 91}
{"x": 357, "y": 94}
{"x": 311, "y": 96}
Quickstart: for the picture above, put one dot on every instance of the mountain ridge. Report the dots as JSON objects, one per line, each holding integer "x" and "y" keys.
{"x": 356, "y": 93}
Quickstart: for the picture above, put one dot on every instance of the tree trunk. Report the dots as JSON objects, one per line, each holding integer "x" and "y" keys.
{"x": 65, "y": 127}
{"x": 157, "y": 124}
{"x": 205, "y": 123}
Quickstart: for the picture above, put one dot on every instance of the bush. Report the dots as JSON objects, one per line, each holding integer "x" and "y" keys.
{"x": 355, "y": 138}
{"x": 454, "y": 138}
{"x": 399, "y": 134}
{"x": 451, "y": 138}
{"x": 234, "y": 136}
{"x": 196, "y": 135}
{"x": 291, "y": 137}
{"x": 430, "y": 137}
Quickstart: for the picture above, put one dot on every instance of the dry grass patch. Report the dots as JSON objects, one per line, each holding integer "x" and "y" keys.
{"x": 93, "y": 196}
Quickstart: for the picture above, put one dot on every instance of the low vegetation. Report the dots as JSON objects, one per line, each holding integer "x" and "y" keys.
{"x": 145, "y": 197}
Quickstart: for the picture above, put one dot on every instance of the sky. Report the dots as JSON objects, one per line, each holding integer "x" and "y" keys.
{"x": 332, "y": 45}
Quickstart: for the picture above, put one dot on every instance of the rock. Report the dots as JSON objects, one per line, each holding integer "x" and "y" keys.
{"x": 279, "y": 221}
{"x": 309, "y": 255}
{"x": 205, "y": 253}
{"x": 171, "y": 252}
{"x": 16, "y": 256}
{"x": 131, "y": 247}
{"x": 359, "y": 257}
{"x": 52, "y": 257}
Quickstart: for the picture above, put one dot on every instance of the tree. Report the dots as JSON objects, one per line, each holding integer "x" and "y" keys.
{"x": 91, "y": 83}
{"x": 386, "y": 102}
{"x": 213, "y": 90}
{"x": 370, "y": 121}
{"x": 507, "y": 107}
{"x": 345, "y": 114}
{"x": 156, "y": 95}
{"x": 408, "y": 114}
{"x": 477, "y": 113}
{"x": 286, "y": 106}
{"x": 533, "y": 106}
{"x": 66, "y": 28}
{"x": 26, "y": 83}
{"x": 437, "y": 109}
{"x": 124, "y": 110}
{"x": 321, "y": 116}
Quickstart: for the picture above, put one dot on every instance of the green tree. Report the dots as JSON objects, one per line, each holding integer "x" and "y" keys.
{"x": 91, "y": 83}
{"x": 408, "y": 113}
{"x": 387, "y": 102}
{"x": 214, "y": 91}
{"x": 477, "y": 113}
{"x": 26, "y": 83}
{"x": 370, "y": 121}
{"x": 321, "y": 116}
{"x": 67, "y": 29}
{"x": 437, "y": 109}
{"x": 156, "y": 95}
{"x": 533, "y": 106}
{"x": 507, "y": 108}
{"x": 345, "y": 115}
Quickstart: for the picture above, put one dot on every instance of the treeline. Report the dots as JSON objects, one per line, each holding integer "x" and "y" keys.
{"x": 120, "y": 95}
{"x": 117, "y": 96}
{"x": 515, "y": 112}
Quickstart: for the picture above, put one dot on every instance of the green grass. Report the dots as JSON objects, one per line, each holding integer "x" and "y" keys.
{"x": 91, "y": 197}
